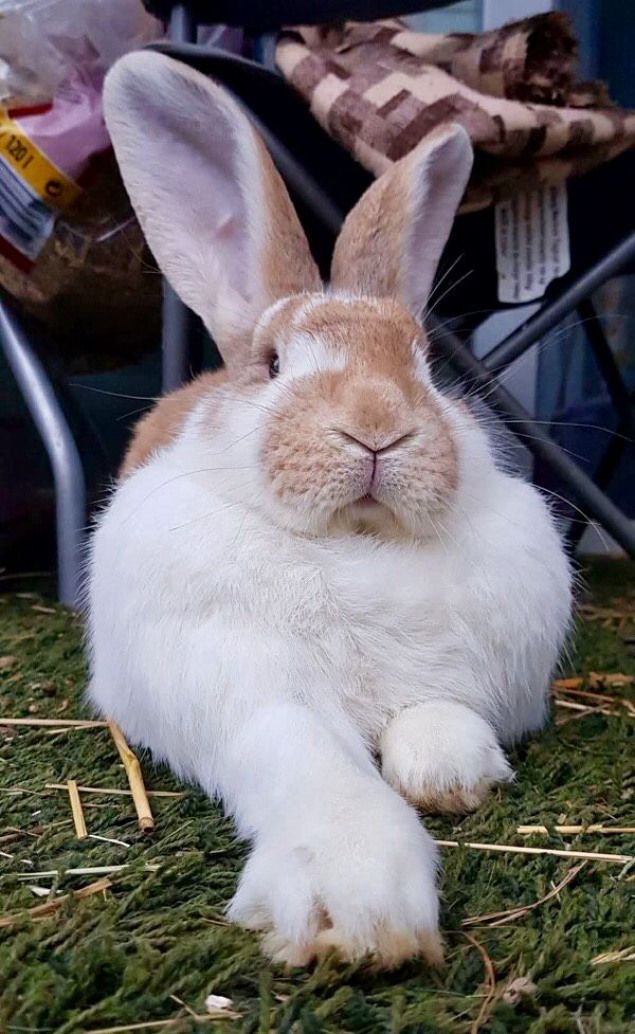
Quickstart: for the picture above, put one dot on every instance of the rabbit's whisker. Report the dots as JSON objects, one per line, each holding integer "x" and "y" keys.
{"x": 447, "y": 291}
{"x": 500, "y": 380}
{"x": 114, "y": 394}
{"x": 549, "y": 339}
{"x": 177, "y": 477}
{"x": 442, "y": 279}
{"x": 204, "y": 516}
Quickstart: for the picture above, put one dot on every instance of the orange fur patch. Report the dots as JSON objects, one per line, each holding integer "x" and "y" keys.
{"x": 160, "y": 426}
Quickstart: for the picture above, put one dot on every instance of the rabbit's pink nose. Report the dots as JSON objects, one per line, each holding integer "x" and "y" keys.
{"x": 376, "y": 443}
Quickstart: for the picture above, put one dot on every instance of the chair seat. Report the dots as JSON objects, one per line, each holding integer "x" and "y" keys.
{"x": 256, "y": 16}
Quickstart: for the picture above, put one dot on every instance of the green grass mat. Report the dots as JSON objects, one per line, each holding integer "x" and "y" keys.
{"x": 116, "y": 958}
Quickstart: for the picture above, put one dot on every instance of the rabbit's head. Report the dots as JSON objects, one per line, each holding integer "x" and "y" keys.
{"x": 329, "y": 388}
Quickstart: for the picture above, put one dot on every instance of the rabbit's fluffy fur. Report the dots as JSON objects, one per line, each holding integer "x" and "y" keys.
{"x": 298, "y": 573}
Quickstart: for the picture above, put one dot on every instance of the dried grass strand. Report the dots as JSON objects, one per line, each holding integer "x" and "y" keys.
{"x": 90, "y": 870}
{"x": 115, "y": 791}
{"x": 75, "y": 723}
{"x": 625, "y": 955}
{"x": 77, "y": 811}
{"x": 40, "y": 912}
{"x": 601, "y": 698}
{"x": 594, "y": 856}
{"x": 573, "y": 706}
{"x": 490, "y": 975}
{"x": 576, "y": 830}
{"x": 510, "y": 914}
{"x": 135, "y": 778}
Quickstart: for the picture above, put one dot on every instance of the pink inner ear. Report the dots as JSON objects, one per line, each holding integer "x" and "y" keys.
{"x": 215, "y": 199}
{"x": 226, "y": 226}
{"x": 200, "y": 184}
{"x": 439, "y": 182}
{"x": 192, "y": 181}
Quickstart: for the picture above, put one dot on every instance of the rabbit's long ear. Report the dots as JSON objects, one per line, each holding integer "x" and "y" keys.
{"x": 214, "y": 210}
{"x": 392, "y": 240}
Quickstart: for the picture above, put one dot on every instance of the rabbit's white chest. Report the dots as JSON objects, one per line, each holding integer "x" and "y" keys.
{"x": 252, "y": 614}
{"x": 368, "y": 619}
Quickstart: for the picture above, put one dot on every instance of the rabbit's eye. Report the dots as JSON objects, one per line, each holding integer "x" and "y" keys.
{"x": 274, "y": 366}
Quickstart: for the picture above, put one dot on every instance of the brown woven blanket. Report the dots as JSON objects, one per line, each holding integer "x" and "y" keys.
{"x": 378, "y": 88}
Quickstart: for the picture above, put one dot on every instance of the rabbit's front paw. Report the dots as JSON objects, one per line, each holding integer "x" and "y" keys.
{"x": 442, "y": 756}
{"x": 365, "y": 887}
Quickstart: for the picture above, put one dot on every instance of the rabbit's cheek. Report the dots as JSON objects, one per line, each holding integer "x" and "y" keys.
{"x": 296, "y": 464}
{"x": 419, "y": 485}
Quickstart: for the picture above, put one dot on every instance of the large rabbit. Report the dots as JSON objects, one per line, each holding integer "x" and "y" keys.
{"x": 312, "y": 557}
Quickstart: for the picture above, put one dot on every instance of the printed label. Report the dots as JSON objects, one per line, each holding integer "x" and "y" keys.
{"x": 32, "y": 191}
{"x": 25, "y": 221}
{"x": 532, "y": 243}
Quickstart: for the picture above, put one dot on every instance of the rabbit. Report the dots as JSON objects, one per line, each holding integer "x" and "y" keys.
{"x": 313, "y": 591}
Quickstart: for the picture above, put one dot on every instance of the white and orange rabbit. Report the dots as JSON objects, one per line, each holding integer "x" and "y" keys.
{"x": 312, "y": 557}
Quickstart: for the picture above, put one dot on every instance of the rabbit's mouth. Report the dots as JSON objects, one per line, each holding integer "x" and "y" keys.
{"x": 368, "y": 512}
{"x": 367, "y": 515}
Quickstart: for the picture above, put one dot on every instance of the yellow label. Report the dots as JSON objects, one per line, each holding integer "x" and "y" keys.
{"x": 50, "y": 184}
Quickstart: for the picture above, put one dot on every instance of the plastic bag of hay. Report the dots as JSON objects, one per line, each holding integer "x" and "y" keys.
{"x": 71, "y": 252}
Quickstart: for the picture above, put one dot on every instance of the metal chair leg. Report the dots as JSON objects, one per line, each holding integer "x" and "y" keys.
{"x": 621, "y": 399}
{"x": 68, "y": 473}
{"x": 602, "y": 475}
{"x": 177, "y": 328}
{"x": 610, "y": 371}
{"x": 182, "y": 27}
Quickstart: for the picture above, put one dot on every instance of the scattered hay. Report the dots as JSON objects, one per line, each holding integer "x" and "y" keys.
{"x": 76, "y": 808}
{"x": 162, "y": 929}
{"x": 510, "y": 915}
{"x": 135, "y": 779}
{"x": 40, "y": 912}
{"x": 490, "y": 985}
{"x": 625, "y": 955}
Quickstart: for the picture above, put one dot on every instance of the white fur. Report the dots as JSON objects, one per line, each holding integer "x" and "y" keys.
{"x": 442, "y": 751}
{"x": 267, "y": 316}
{"x": 308, "y": 353}
{"x": 267, "y": 664}
{"x": 422, "y": 369}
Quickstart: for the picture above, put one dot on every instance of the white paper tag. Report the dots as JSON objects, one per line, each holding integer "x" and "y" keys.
{"x": 532, "y": 243}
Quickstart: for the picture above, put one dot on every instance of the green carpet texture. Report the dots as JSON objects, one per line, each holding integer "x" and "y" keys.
{"x": 144, "y": 952}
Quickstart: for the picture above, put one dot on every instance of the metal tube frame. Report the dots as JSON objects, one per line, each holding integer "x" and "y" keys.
{"x": 57, "y": 438}
{"x": 550, "y": 315}
{"x": 605, "y": 360}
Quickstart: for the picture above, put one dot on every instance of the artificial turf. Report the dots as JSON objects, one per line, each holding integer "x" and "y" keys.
{"x": 114, "y": 959}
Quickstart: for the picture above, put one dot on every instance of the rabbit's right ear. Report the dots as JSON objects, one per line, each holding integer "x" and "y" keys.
{"x": 392, "y": 240}
{"x": 214, "y": 210}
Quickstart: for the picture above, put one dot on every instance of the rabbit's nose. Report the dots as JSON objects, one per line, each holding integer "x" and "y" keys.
{"x": 376, "y": 443}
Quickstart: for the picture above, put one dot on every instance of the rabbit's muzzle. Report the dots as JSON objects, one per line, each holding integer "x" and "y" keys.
{"x": 343, "y": 447}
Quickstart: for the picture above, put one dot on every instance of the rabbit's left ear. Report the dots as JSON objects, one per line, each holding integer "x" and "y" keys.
{"x": 214, "y": 210}
{"x": 392, "y": 240}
